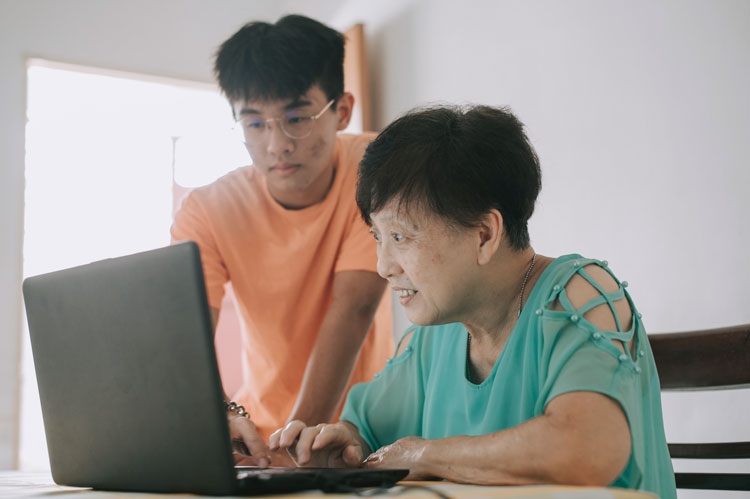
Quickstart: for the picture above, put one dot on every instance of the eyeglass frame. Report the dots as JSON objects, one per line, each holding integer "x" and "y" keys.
{"x": 314, "y": 118}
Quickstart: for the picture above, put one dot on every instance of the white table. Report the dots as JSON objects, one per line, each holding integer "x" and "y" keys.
{"x": 20, "y": 484}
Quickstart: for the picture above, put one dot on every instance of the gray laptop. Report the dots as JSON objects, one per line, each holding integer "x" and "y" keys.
{"x": 129, "y": 385}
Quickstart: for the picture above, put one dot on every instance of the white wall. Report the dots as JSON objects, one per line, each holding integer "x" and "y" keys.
{"x": 640, "y": 112}
{"x": 172, "y": 38}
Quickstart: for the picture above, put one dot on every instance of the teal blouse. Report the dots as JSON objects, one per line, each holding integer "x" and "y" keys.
{"x": 424, "y": 391}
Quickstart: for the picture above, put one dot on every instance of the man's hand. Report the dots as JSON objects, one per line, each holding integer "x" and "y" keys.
{"x": 325, "y": 445}
{"x": 248, "y": 447}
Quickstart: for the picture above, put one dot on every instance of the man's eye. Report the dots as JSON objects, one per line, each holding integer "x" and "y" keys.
{"x": 254, "y": 124}
{"x": 376, "y": 236}
{"x": 295, "y": 120}
{"x": 398, "y": 237}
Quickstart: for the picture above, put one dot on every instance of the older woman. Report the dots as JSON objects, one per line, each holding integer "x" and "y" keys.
{"x": 523, "y": 368}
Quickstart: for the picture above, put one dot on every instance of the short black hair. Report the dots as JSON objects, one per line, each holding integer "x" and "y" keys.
{"x": 458, "y": 162}
{"x": 265, "y": 62}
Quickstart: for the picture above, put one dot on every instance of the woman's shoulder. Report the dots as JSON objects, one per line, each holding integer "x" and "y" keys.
{"x": 588, "y": 292}
{"x": 562, "y": 269}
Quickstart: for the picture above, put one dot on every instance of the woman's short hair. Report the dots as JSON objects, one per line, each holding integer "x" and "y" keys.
{"x": 265, "y": 62}
{"x": 456, "y": 161}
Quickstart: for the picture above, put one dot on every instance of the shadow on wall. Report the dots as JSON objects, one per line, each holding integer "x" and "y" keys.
{"x": 393, "y": 81}
{"x": 393, "y": 90}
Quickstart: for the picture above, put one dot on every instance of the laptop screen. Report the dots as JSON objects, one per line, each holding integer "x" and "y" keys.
{"x": 128, "y": 381}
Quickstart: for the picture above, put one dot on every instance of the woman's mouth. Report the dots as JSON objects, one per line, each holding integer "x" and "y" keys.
{"x": 405, "y": 295}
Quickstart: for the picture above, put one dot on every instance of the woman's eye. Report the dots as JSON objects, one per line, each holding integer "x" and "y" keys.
{"x": 375, "y": 235}
{"x": 398, "y": 237}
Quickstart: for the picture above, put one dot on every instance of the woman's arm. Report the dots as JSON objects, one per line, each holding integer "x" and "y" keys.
{"x": 582, "y": 438}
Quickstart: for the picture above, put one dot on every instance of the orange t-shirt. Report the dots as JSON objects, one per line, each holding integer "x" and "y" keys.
{"x": 281, "y": 264}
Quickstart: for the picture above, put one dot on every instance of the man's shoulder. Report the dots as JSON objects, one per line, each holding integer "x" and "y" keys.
{"x": 350, "y": 150}
{"x": 364, "y": 137}
{"x": 237, "y": 181}
{"x": 352, "y": 146}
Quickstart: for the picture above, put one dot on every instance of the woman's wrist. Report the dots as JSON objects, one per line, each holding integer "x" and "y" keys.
{"x": 356, "y": 437}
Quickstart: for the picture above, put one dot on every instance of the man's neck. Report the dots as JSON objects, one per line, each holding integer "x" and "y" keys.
{"x": 309, "y": 197}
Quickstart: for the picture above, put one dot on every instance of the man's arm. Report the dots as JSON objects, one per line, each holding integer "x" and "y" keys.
{"x": 356, "y": 296}
{"x": 242, "y": 428}
{"x": 214, "y": 318}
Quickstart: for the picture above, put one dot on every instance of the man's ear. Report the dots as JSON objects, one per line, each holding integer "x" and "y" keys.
{"x": 491, "y": 234}
{"x": 344, "y": 108}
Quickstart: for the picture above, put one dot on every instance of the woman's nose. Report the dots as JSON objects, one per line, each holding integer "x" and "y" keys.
{"x": 387, "y": 265}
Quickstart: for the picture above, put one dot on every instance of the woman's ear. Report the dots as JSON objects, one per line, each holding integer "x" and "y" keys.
{"x": 491, "y": 234}
{"x": 344, "y": 107}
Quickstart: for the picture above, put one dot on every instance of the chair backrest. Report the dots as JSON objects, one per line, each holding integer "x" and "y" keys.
{"x": 709, "y": 359}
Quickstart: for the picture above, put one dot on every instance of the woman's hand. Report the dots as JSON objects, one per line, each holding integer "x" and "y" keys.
{"x": 248, "y": 447}
{"x": 407, "y": 453}
{"x": 325, "y": 445}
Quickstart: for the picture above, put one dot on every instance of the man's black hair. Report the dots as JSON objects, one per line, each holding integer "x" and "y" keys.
{"x": 264, "y": 62}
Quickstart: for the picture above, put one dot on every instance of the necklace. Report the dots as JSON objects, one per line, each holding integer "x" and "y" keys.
{"x": 469, "y": 374}
{"x": 523, "y": 285}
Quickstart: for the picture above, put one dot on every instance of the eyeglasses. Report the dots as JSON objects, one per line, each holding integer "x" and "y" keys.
{"x": 295, "y": 125}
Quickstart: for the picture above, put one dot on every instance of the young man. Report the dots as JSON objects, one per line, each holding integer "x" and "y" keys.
{"x": 287, "y": 234}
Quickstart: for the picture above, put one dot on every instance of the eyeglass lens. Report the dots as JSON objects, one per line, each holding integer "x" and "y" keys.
{"x": 294, "y": 124}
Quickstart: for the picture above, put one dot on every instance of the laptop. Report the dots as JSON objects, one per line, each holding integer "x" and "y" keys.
{"x": 129, "y": 384}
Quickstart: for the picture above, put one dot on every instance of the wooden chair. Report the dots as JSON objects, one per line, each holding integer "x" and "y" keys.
{"x": 712, "y": 359}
